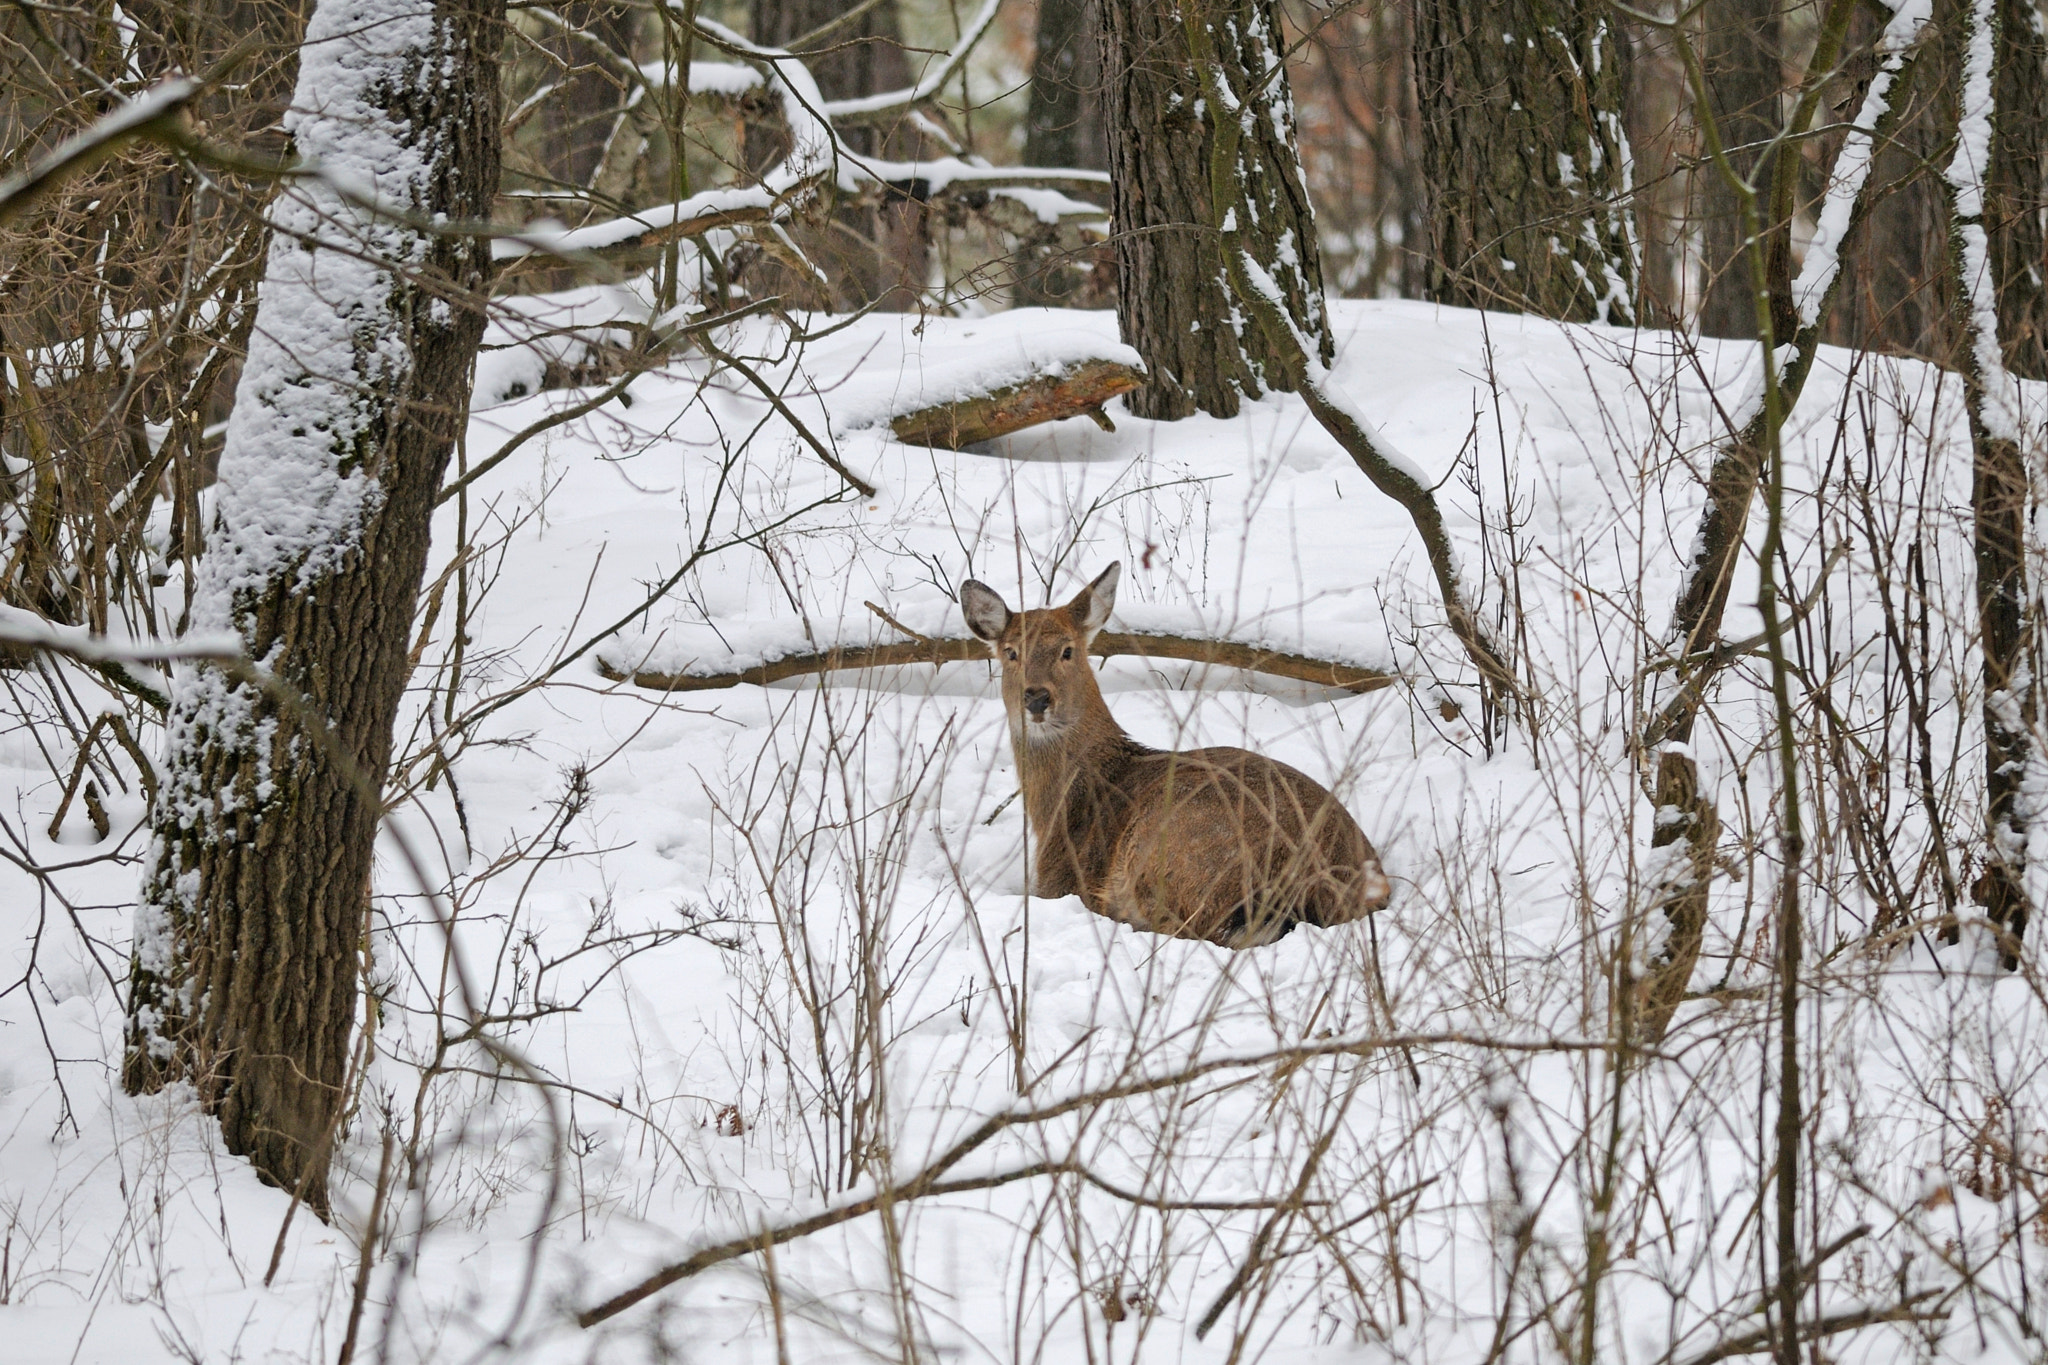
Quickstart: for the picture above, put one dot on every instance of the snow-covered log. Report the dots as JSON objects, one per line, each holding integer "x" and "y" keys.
{"x": 1077, "y": 391}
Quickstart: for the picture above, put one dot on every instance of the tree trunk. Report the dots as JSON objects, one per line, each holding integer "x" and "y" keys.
{"x": 1062, "y": 127}
{"x": 1740, "y": 47}
{"x": 2014, "y": 187}
{"x": 1063, "y": 122}
{"x": 252, "y": 925}
{"x": 1896, "y": 297}
{"x": 1173, "y": 303}
{"x": 2002, "y": 227}
{"x": 1525, "y": 157}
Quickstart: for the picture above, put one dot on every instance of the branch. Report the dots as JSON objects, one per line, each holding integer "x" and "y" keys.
{"x": 940, "y": 650}
{"x": 588, "y": 405}
{"x": 877, "y": 108}
{"x": 154, "y": 112}
{"x": 1765, "y": 1338}
{"x": 782, "y": 409}
{"x": 930, "y": 1181}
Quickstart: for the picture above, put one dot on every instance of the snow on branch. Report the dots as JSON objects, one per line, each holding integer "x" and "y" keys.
{"x": 870, "y": 108}
{"x": 156, "y": 109}
{"x": 1823, "y": 263}
{"x": 818, "y": 153}
{"x": 19, "y": 627}
{"x": 936, "y": 650}
{"x": 1998, "y": 395}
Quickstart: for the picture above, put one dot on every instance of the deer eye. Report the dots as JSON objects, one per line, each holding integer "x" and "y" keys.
{"x": 1011, "y": 655}
{"x": 1067, "y": 653}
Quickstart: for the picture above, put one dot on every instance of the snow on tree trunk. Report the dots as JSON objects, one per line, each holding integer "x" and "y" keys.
{"x": 1686, "y": 836}
{"x": 1999, "y": 485}
{"x": 249, "y": 938}
{"x": 1525, "y": 157}
{"x": 1173, "y": 300}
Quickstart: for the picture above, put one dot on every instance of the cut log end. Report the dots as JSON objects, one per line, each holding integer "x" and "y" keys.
{"x": 1080, "y": 392}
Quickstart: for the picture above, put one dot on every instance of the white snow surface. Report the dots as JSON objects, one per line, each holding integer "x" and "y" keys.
{"x": 786, "y": 825}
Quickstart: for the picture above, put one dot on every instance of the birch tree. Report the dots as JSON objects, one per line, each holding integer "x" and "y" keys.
{"x": 249, "y": 937}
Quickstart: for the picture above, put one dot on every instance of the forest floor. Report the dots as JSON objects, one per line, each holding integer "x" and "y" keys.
{"x": 761, "y": 944}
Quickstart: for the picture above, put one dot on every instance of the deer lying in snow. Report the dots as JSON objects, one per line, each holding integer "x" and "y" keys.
{"x": 1220, "y": 844}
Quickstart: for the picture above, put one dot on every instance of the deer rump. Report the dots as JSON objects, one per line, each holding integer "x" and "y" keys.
{"x": 1218, "y": 844}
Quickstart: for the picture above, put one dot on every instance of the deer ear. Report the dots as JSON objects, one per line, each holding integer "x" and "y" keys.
{"x": 1095, "y": 602}
{"x": 986, "y": 615}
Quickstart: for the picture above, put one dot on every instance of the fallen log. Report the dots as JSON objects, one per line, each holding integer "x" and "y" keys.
{"x": 1078, "y": 392}
{"x": 1108, "y": 644}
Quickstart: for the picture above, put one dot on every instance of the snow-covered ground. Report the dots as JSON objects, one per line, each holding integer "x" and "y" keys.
{"x": 760, "y": 947}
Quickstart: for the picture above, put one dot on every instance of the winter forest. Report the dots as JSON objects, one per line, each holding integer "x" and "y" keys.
{"x": 1046, "y": 682}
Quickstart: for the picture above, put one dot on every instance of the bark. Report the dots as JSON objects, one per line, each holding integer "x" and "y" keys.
{"x": 1062, "y": 127}
{"x": 1525, "y": 157}
{"x": 1740, "y": 46}
{"x": 1080, "y": 391}
{"x": 1173, "y": 301}
{"x": 253, "y": 917}
{"x": 2015, "y": 192}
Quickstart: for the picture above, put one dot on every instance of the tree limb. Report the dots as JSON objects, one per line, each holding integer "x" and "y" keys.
{"x": 941, "y": 650}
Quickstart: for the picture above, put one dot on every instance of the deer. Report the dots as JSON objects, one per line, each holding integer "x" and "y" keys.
{"x": 1219, "y": 844}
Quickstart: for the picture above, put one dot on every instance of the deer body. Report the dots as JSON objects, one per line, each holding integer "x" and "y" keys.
{"x": 1221, "y": 844}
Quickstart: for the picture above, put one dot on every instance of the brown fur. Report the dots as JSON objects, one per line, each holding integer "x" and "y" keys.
{"x": 1220, "y": 844}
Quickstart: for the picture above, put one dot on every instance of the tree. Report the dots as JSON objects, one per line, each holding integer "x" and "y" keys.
{"x": 252, "y": 924}
{"x": 1740, "y": 49}
{"x": 1898, "y": 297}
{"x": 1063, "y": 122}
{"x": 1525, "y": 157}
{"x": 1173, "y": 303}
{"x": 1996, "y": 252}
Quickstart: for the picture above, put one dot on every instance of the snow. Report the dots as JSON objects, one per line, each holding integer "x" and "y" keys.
{"x": 1050, "y": 206}
{"x": 788, "y": 826}
{"x": 905, "y": 363}
{"x": 1822, "y": 262}
{"x": 1967, "y": 169}
{"x": 928, "y": 84}
{"x": 612, "y": 231}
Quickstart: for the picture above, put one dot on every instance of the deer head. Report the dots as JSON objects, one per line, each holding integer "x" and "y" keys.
{"x": 1049, "y": 690}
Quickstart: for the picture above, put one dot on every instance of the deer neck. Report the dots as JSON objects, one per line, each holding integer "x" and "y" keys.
{"x": 1054, "y": 775}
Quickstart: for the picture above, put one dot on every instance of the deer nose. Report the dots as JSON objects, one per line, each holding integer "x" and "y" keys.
{"x": 1038, "y": 701}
